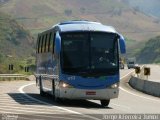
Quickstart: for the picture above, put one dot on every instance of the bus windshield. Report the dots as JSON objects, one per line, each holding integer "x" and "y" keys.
{"x": 89, "y": 53}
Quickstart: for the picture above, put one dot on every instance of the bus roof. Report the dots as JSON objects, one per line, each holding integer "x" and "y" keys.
{"x": 74, "y": 26}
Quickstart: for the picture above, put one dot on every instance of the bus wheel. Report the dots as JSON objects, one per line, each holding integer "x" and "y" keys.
{"x": 105, "y": 103}
{"x": 57, "y": 99}
{"x": 42, "y": 93}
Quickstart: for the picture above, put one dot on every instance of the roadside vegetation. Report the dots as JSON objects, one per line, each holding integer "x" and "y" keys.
{"x": 150, "y": 53}
{"x": 39, "y": 15}
{"x": 20, "y": 23}
{"x": 16, "y": 45}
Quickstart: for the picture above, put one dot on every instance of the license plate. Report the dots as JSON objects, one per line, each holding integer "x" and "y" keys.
{"x": 90, "y": 93}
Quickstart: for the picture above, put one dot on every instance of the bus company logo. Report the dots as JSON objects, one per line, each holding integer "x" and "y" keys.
{"x": 71, "y": 78}
{"x": 103, "y": 78}
{"x": 9, "y": 117}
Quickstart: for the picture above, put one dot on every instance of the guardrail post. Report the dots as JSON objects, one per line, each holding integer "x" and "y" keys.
{"x": 147, "y": 71}
{"x": 26, "y": 69}
{"x": 11, "y": 67}
{"x": 137, "y": 70}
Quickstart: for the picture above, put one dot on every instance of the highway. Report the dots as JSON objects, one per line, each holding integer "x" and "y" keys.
{"x": 22, "y": 98}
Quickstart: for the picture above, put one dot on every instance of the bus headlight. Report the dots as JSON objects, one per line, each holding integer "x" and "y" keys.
{"x": 64, "y": 85}
{"x": 116, "y": 85}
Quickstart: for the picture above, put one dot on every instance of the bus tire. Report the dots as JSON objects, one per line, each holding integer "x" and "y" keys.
{"x": 104, "y": 103}
{"x": 53, "y": 89}
{"x": 57, "y": 99}
{"x": 42, "y": 93}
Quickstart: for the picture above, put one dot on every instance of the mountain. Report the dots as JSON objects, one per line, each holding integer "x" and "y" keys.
{"x": 149, "y": 7}
{"x": 151, "y": 51}
{"x": 126, "y": 16}
{"x": 13, "y": 37}
{"x": 38, "y": 15}
{"x": 3, "y": 1}
{"x": 16, "y": 44}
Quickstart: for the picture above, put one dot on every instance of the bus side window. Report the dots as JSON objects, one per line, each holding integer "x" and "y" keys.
{"x": 53, "y": 42}
{"x": 39, "y": 44}
{"x": 42, "y": 44}
{"x": 49, "y": 41}
{"x": 45, "y": 43}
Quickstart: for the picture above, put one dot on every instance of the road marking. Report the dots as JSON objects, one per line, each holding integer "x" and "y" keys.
{"x": 52, "y": 116}
{"x": 30, "y": 108}
{"x": 139, "y": 95}
{"x": 70, "y": 111}
{"x": 126, "y": 74}
{"x": 26, "y": 111}
{"x": 134, "y": 93}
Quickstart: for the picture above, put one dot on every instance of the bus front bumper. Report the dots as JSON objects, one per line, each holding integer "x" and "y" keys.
{"x": 98, "y": 94}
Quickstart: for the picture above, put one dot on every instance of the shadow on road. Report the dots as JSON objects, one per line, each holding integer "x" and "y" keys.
{"x": 25, "y": 100}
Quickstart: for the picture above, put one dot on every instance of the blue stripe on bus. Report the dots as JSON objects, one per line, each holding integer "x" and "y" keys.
{"x": 90, "y": 83}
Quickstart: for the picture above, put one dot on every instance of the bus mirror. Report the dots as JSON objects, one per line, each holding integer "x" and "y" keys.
{"x": 57, "y": 43}
{"x": 122, "y": 44}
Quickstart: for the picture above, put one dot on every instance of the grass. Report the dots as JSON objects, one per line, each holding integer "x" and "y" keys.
{"x": 18, "y": 65}
{"x": 16, "y": 45}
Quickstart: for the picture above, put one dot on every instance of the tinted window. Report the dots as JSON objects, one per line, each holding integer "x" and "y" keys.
{"x": 49, "y": 41}
{"x": 42, "y": 42}
{"x": 93, "y": 52}
{"x": 45, "y": 43}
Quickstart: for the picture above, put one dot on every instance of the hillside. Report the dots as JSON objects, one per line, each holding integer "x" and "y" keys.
{"x": 16, "y": 44}
{"x": 151, "y": 7}
{"x": 127, "y": 17}
{"x": 151, "y": 52}
{"x": 41, "y": 14}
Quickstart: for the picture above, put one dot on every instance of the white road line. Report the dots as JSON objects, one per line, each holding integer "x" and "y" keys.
{"x": 139, "y": 95}
{"x": 38, "y": 115}
{"x": 70, "y": 111}
{"x": 34, "y": 109}
{"x": 134, "y": 93}
{"x": 126, "y": 74}
{"x": 25, "y": 111}
{"x": 31, "y": 106}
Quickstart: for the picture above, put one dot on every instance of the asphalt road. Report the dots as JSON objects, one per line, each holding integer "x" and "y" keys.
{"x": 21, "y": 99}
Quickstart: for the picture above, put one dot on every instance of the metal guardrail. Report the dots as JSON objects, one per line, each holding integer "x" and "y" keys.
{"x": 4, "y": 77}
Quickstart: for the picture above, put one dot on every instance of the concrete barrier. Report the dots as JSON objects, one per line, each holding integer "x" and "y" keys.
{"x": 148, "y": 87}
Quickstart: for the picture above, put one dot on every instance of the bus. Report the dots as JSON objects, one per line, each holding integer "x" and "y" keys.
{"x": 79, "y": 60}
